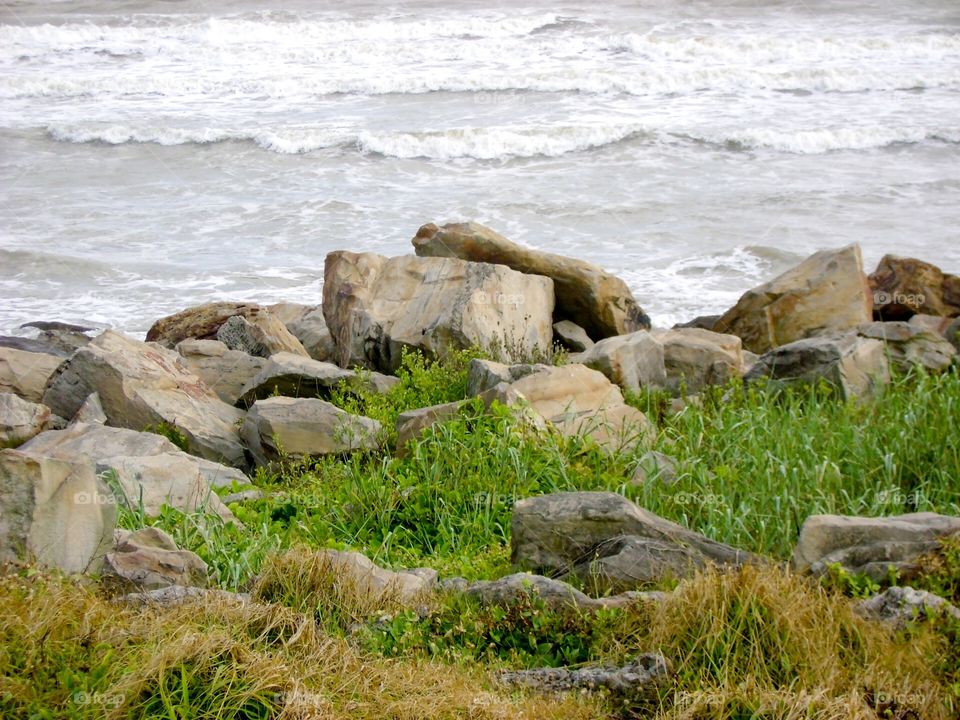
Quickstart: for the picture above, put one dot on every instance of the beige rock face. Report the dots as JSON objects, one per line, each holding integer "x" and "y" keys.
{"x": 904, "y": 287}
{"x": 694, "y": 358}
{"x": 406, "y": 587}
{"x": 307, "y": 324}
{"x": 57, "y": 513}
{"x": 26, "y": 373}
{"x": 142, "y": 385}
{"x": 149, "y": 559}
{"x": 20, "y": 420}
{"x": 631, "y": 361}
{"x": 150, "y": 470}
{"x": 827, "y": 291}
{"x": 205, "y": 321}
{"x": 376, "y": 306}
{"x": 597, "y": 301}
{"x": 298, "y": 427}
{"x": 908, "y": 345}
{"x": 225, "y": 371}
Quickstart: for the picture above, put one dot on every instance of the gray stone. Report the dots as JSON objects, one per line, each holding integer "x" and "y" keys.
{"x": 20, "y": 419}
{"x": 291, "y": 375}
{"x": 554, "y": 594}
{"x": 908, "y": 345}
{"x": 308, "y": 325}
{"x": 900, "y": 605}
{"x": 694, "y": 358}
{"x": 641, "y": 678}
{"x": 407, "y": 587}
{"x": 26, "y": 373}
{"x": 148, "y": 559}
{"x": 572, "y": 336}
{"x": 224, "y": 371}
{"x": 482, "y": 375}
{"x": 31, "y": 345}
{"x": 91, "y": 412}
{"x": 634, "y": 361}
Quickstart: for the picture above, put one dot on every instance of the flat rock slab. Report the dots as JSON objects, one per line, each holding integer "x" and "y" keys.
{"x": 149, "y": 559}
{"x": 641, "y": 677}
{"x": 224, "y": 371}
{"x": 295, "y": 376}
{"x": 26, "y": 373}
{"x": 909, "y": 345}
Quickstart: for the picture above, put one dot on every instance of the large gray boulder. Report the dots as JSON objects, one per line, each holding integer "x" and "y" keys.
{"x": 57, "y": 513}
{"x": 224, "y": 371}
{"x": 856, "y": 366}
{"x": 142, "y": 386}
{"x": 634, "y": 361}
{"x": 377, "y": 306}
{"x": 908, "y": 345}
{"x": 240, "y": 326}
{"x": 26, "y": 373}
{"x": 150, "y": 470}
{"x": 870, "y": 545}
{"x": 826, "y": 292}
{"x": 149, "y": 559}
{"x": 293, "y": 376}
{"x": 282, "y": 427}
{"x": 608, "y": 541}
{"x": 597, "y": 301}
{"x": 20, "y": 420}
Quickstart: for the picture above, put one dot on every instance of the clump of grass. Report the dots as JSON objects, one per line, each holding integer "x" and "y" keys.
{"x": 171, "y": 433}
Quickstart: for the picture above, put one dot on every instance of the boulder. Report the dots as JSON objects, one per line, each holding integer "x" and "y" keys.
{"x": 908, "y": 345}
{"x": 224, "y": 371}
{"x": 933, "y": 323}
{"x": 903, "y": 287}
{"x": 150, "y": 470}
{"x": 571, "y": 336}
{"x": 55, "y": 512}
{"x": 900, "y": 605}
{"x": 483, "y": 375}
{"x": 406, "y": 587}
{"x": 149, "y": 559}
{"x": 953, "y": 334}
{"x": 641, "y": 679}
{"x": 634, "y": 362}
{"x": 283, "y": 427}
{"x": 308, "y": 325}
{"x": 704, "y": 322}
{"x": 694, "y": 358}
{"x": 597, "y": 301}
{"x": 826, "y": 292}
{"x": 65, "y": 338}
{"x": 261, "y": 334}
{"x": 142, "y": 386}
{"x": 91, "y": 412}
{"x": 376, "y": 306}
{"x": 855, "y": 366}
{"x": 605, "y": 539}
{"x": 26, "y": 373}
{"x": 292, "y": 375}
{"x": 870, "y": 545}
{"x": 20, "y": 420}
{"x": 15, "y": 342}
{"x": 554, "y": 594}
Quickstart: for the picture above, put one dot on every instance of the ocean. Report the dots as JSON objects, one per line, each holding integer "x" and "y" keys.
{"x": 156, "y": 154}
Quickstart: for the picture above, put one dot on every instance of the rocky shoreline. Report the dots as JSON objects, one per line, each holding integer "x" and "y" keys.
{"x": 235, "y": 387}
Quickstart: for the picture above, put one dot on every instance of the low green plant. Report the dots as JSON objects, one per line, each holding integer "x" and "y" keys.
{"x": 171, "y": 433}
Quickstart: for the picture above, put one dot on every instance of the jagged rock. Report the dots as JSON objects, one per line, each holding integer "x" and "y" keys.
{"x": 31, "y": 345}
{"x": 26, "y": 373}
{"x": 483, "y": 375}
{"x": 554, "y": 594}
{"x": 654, "y": 466}
{"x": 21, "y": 419}
{"x": 225, "y": 371}
{"x": 261, "y": 333}
{"x": 150, "y": 470}
{"x": 149, "y": 559}
{"x": 933, "y": 323}
{"x": 597, "y": 301}
{"x": 91, "y": 412}
{"x": 54, "y": 512}
{"x": 704, "y": 322}
{"x": 907, "y": 345}
{"x": 694, "y": 358}
{"x": 570, "y": 532}
{"x": 572, "y": 336}
{"x": 280, "y": 427}
{"x": 868, "y": 545}
{"x": 631, "y": 361}
{"x": 293, "y": 376}
{"x": 826, "y": 292}
{"x": 142, "y": 386}
{"x": 641, "y": 678}
{"x": 376, "y": 306}
{"x": 407, "y": 586}
{"x": 243, "y": 496}
{"x": 903, "y": 287}
{"x": 308, "y": 325}
{"x": 855, "y": 366}
{"x": 64, "y": 337}
{"x": 900, "y": 605}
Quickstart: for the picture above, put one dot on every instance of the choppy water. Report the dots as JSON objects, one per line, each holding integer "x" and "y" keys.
{"x": 160, "y": 153}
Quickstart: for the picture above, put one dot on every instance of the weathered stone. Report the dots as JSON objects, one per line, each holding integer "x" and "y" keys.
{"x": 953, "y": 334}
{"x": 224, "y": 371}
{"x": 855, "y": 366}
{"x": 54, "y": 512}
{"x": 91, "y": 412}
{"x": 262, "y": 333}
{"x": 694, "y": 358}
{"x": 26, "y": 373}
{"x": 907, "y": 345}
{"x": 704, "y": 322}
{"x": 149, "y": 559}
{"x": 31, "y": 345}
{"x": 308, "y": 325}
{"x": 828, "y": 291}
{"x": 597, "y": 301}
{"x": 142, "y": 386}
{"x": 175, "y": 595}
{"x": 568, "y": 533}
{"x": 281, "y": 427}
{"x": 21, "y": 419}
{"x": 640, "y": 679}
{"x": 482, "y": 375}
{"x": 293, "y": 376}
{"x": 654, "y": 466}
{"x": 870, "y": 545}
{"x": 901, "y": 605}
{"x": 903, "y": 287}
{"x": 64, "y": 337}
{"x": 554, "y": 594}
{"x": 933, "y": 323}
{"x": 572, "y": 336}
{"x": 406, "y": 587}
{"x": 376, "y": 306}
{"x": 631, "y": 361}
{"x": 150, "y": 470}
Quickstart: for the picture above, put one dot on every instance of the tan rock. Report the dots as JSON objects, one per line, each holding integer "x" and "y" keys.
{"x": 903, "y": 287}
{"x": 292, "y": 375}
{"x": 225, "y": 371}
{"x": 20, "y": 420}
{"x": 634, "y": 361}
{"x": 695, "y": 358}
{"x": 307, "y": 324}
{"x": 376, "y": 306}
{"x": 599, "y": 302}
{"x": 149, "y": 559}
{"x": 26, "y": 373}
{"x": 827, "y": 291}
{"x": 908, "y": 345}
